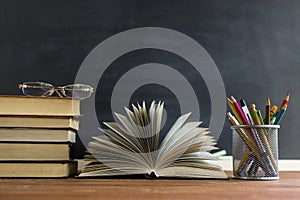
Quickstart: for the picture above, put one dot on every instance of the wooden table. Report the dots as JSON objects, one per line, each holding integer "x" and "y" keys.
{"x": 288, "y": 187}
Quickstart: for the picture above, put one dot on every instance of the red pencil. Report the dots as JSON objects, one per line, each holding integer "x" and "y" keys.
{"x": 239, "y": 111}
{"x": 285, "y": 101}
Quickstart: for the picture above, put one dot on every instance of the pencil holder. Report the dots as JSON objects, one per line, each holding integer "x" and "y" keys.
{"x": 255, "y": 152}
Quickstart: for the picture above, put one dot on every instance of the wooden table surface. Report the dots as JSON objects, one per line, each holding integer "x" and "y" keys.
{"x": 288, "y": 187}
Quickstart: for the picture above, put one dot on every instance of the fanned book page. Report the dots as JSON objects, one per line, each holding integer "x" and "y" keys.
{"x": 131, "y": 146}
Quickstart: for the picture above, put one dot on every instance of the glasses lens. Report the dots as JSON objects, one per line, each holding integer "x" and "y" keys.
{"x": 78, "y": 91}
{"x": 37, "y": 89}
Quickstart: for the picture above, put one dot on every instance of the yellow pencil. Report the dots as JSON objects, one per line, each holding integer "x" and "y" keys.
{"x": 230, "y": 104}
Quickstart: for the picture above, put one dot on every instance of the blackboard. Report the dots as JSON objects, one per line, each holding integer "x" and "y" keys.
{"x": 254, "y": 44}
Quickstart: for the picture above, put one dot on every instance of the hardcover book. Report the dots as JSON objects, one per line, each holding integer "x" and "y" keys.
{"x": 19, "y": 121}
{"x": 38, "y": 169}
{"x": 35, "y": 151}
{"x": 41, "y": 106}
{"x": 37, "y": 135}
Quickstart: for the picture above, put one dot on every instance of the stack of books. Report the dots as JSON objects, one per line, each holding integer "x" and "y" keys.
{"x": 37, "y": 135}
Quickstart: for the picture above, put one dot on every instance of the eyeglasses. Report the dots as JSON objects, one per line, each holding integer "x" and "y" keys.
{"x": 42, "y": 89}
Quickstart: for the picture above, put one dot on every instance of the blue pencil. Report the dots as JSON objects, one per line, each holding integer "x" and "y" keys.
{"x": 280, "y": 115}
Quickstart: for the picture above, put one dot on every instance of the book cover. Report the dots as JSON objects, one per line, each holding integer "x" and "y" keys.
{"x": 37, "y": 135}
{"x": 35, "y": 151}
{"x": 25, "y": 121}
{"x": 45, "y": 106}
{"x": 38, "y": 169}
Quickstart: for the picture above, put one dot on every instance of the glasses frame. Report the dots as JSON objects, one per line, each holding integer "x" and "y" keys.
{"x": 59, "y": 90}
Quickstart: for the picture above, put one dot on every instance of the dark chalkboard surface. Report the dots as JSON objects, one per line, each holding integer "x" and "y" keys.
{"x": 254, "y": 44}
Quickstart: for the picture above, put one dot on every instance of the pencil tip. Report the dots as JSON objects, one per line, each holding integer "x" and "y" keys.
{"x": 232, "y": 98}
{"x": 268, "y": 101}
{"x": 284, "y": 107}
{"x": 229, "y": 100}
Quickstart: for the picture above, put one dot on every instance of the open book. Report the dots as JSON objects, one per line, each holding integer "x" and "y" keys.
{"x": 131, "y": 146}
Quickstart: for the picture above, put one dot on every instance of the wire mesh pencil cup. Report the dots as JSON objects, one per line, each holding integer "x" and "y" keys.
{"x": 255, "y": 152}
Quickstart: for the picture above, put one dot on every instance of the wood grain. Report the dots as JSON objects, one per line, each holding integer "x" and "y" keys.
{"x": 288, "y": 187}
